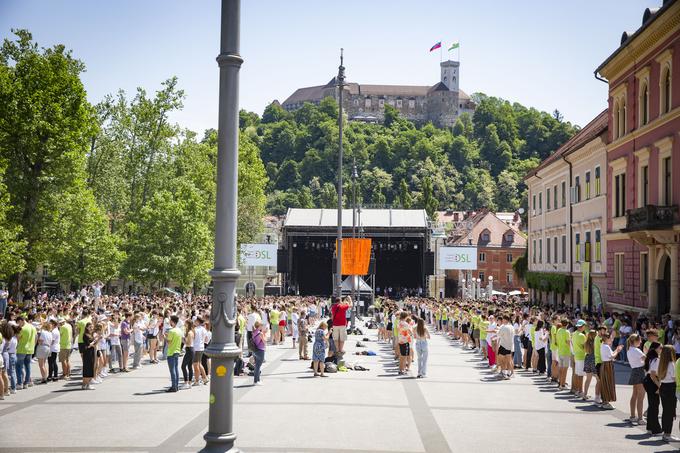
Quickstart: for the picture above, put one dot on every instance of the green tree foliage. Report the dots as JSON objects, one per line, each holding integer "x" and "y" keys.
{"x": 11, "y": 243}
{"x": 480, "y": 162}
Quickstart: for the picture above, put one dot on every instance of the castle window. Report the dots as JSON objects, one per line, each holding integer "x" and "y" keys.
{"x": 368, "y": 103}
{"x": 398, "y": 103}
{"x": 356, "y": 102}
{"x": 411, "y": 103}
{"x": 381, "y": 103}
{"x": 460, "y": 105}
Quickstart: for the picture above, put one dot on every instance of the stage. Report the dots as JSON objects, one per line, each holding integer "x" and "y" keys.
{"x": 400, "y": 255}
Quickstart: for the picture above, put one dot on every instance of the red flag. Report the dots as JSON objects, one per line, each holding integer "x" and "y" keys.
{"x": 436, "y": 46}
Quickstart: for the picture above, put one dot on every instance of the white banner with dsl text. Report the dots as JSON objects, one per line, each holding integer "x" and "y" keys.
{"x": 464, "y": 258}
{"x": 258, "y": 255}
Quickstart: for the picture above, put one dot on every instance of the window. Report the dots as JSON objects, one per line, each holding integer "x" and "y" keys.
{"x": 555, "y": 196}
{"x": 508, "y": 258}
{"x": 577, "y": 249}
{"x": 666, "y": 89}
{"x": 620, "y": 195}
{"x": 547, "y": 199}
{"x": 587, "y": 246}
{"x": 508, "y": 277}
{"x": 540, "y": 202}
{"x": 411, "y": 103}
{"x": 644, "y": 271}
{"x": 644, "y": 104}
{"x": 618, "y": 271}
{"x": 564, "y": 194}
{"x": 564, "y": 248}
{"x": 509, "y": 237}
{"x": 481, "y": 276}
{"x": 555, "y": 249}
{"x": 533, "y": 252}
{"x": 381, "y": 103}
{"x": 534, "y": 203}
{"x": 620, "y": 117}
{"x": 368, "y": 103}
{"x": 540, "y": 251}
{"x": 482, "y": 257}
{"x": 598, "y": 245}
{"x": 399, "y": 104}
{"x": 667, "y": 183}
{"x": 485, "y": 237}
{"x": 645, "y": 186}
{"x": 547, "y": 250}
{"x": 587, "y": 185}
{"x": 576, "y": 197}
{"x": 598, "y": 184}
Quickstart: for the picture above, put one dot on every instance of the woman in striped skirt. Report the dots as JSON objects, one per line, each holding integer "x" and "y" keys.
{"x": 607, "y": 378}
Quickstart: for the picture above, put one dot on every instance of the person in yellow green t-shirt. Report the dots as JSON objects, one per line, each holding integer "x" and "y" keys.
{"x": 80, "y": 327}
{"x": 274, "y": 316}
{"x": 555, "y": 368}
{"x": 597, "y": 350}
{"x": 174, "y": 340}
{"x": 564, "y": 352}
{"x": 25, "y": 348}
{"x": 578, "y": 343}
{"x": 483, "y": 326}
{"x": 65, "y": 337}
{"x": 475, "y": 330}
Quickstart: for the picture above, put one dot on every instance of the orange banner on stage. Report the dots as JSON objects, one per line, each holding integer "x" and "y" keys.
{"x": 356, "y": 256}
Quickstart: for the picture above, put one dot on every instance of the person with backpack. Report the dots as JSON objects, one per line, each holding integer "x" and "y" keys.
{"x": 259, "y": 346}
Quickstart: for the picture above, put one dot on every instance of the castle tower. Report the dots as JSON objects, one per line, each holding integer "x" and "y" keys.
{"x": 450, "y": 74}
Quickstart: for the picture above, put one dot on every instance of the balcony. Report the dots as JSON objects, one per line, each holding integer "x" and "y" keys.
{"x": 651, "y": 217}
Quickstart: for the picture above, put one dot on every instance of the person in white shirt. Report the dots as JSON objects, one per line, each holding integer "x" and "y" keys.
{"x": 138, "y": 336}
{"x": 607, "y": 378}
{"x": 506, "y": 346}
{"x": 662, "y": 373}
{"x": 636, "y": 360}
{"x": 200, "y": 334}
{"x": 116, "y": 349}
{"x": 53, "y": 370}
{"x": 42, "y": 352}
{"x": 541, "y": 343}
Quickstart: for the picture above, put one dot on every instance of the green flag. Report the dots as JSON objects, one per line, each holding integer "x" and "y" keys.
{"x": 454, "y": 45}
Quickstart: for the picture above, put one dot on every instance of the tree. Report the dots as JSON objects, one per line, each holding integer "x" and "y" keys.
{"x": 507, "y": 195}
{"x": 46, "y": 125}
{"x": 274, "y": 113}
{"x": 328, "y": 197}
{"x": 170, "y": 239}
{"x": 428, "y": 201}
{"x": 252, "y": 180}
{"x": 82, "y": 248}
{"x": 405, "y": 199}
{"x": 11, "y": 243}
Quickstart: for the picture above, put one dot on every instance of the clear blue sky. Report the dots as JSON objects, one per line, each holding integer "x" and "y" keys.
{"x": 541, "y": 54}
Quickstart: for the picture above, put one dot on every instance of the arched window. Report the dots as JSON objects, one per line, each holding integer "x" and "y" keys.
{"x": 644, "y": 104}
{"x": 666, "y": 90}
{"x": 622, "y": 119}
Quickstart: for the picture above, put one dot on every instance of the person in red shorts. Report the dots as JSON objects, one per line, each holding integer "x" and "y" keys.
{"x": 338, "y": 313}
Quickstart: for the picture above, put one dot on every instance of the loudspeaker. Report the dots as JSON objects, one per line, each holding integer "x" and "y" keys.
{"x": 334, "y": 266}
{"x": 428, "y": 263}
{"x": 282, "y": 261}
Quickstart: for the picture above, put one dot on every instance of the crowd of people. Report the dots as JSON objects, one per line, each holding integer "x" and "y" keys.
{"x": 573, "y": 349}
{"x": 121, "y": 333}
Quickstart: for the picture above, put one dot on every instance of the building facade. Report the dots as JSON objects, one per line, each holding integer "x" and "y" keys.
{"x": 567, "y": 214}
{"x": 643, "y": 155}
{"x": 498, "y": 244}
{"x": 441, "y": 103}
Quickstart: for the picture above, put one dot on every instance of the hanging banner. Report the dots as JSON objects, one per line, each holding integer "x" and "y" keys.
{"x": 258, "y": 255}
{"x": 585, "y": 290}
{"x": 356, "y": 256}
{"x": 464, "y": 258}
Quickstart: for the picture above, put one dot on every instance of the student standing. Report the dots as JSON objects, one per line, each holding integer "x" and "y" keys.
{"x": 636, "y": 360}
{"x": 173, "y": 339}
{"x": 662, "y": 373}
{"x": 260, "y": 345}
{"x": 607, "y": 377}
{"x": 422, "y": 335}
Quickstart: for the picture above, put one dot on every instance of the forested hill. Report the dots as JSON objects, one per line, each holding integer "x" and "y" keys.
{"x": 480, "y": 162}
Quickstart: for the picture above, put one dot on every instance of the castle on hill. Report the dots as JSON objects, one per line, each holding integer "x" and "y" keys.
{"x": 441, "y": 103}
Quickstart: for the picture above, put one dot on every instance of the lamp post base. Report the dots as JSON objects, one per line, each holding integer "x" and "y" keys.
{"x": 219, "y": 443}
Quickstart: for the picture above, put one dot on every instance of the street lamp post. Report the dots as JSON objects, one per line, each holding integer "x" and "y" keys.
{"x": 479, "y": 288}
{"x": 489, "y": 288}
{"x": 463, "y": 289}
{"x": 354, "y": 235}
{"x": 338, "y": 256}
{"x": 222, "y": 349}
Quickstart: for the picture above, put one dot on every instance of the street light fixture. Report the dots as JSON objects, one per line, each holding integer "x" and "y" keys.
{"x": 338, "y": 255}
{"x": 222, "y": 349}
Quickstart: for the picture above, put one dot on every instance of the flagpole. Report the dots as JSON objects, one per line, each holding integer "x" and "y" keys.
{"x": 440, "y": 51}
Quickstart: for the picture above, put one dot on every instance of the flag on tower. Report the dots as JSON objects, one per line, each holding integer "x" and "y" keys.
{"x": 454, "y": 45}
{"x": 436, "y": 46}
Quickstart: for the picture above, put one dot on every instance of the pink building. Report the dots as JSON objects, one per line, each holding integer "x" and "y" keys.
{"x": 643, "y": 174}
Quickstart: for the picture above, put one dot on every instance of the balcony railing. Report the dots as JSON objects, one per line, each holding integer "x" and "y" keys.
{"x": 651, "y": 217}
